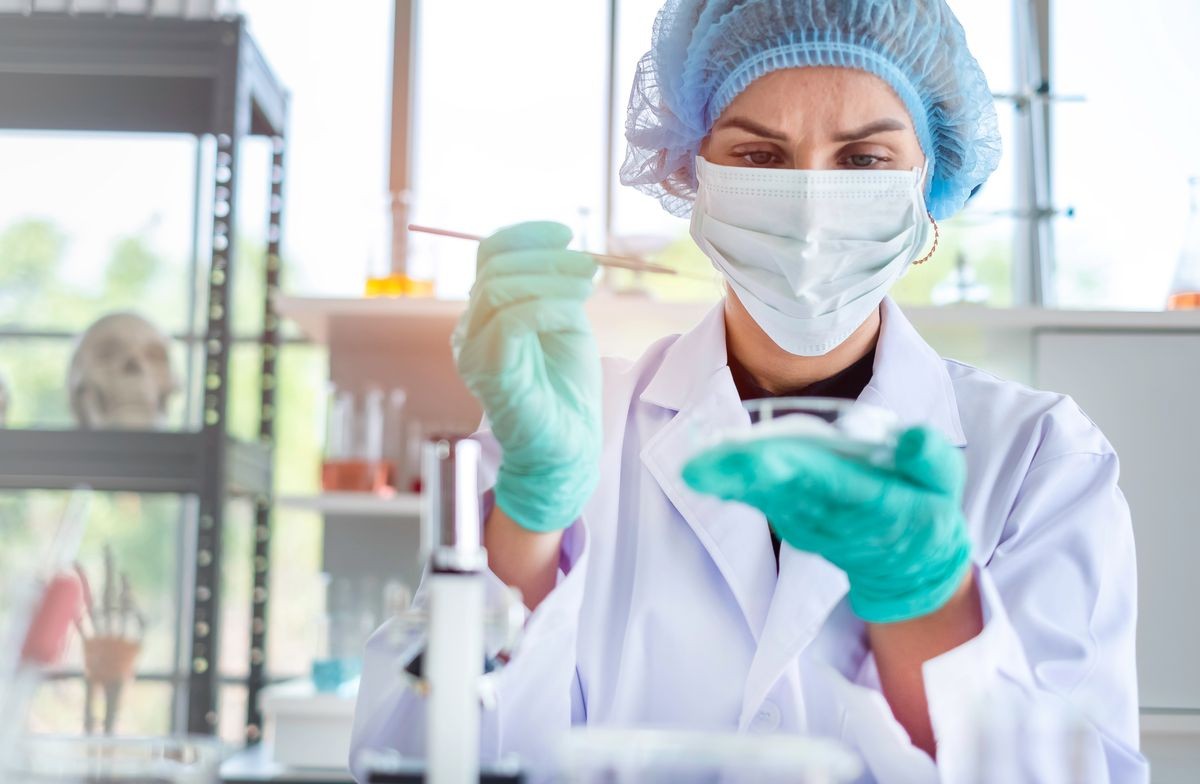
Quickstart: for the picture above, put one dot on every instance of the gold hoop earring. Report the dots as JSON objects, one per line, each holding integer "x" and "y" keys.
{"x": 937, "y": 235}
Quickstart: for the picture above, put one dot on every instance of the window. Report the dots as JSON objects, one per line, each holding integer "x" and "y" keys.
{"x": 1124, "y": 154}
{"x": 93, "y": 223}
{"x": 334, "y": 58}
{"x": 510, "y": 124}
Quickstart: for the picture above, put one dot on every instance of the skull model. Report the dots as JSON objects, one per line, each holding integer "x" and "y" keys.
{"x": 120, "y": 376}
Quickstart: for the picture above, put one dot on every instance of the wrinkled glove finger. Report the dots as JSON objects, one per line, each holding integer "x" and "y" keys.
{"x": 928, "y": 460}
{"x": 531, "y": 234}
{"x": 502, "y": 294}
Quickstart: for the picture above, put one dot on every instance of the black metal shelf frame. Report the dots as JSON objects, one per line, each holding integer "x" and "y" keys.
{"x": 206, "y": 78}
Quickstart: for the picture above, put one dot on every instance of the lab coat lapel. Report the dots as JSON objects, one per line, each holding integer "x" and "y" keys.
{"x": 808, "y": 589}
{"x": 694, "y": 381}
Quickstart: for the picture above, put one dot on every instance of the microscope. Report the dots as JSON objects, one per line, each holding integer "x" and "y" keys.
{"x": 466, "y": 631}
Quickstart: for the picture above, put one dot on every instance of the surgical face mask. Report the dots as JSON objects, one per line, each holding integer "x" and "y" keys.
{"x": 810, "y": 254}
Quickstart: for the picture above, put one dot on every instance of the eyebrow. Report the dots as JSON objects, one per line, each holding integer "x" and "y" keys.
{"x": 870, "y": 129}
{"x": 886, "y": 125}
{"x": 752, "y": 127}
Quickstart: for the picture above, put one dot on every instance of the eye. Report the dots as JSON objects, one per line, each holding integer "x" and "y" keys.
{"x": 863, "y": 161}
{"x": 760, "y": 158}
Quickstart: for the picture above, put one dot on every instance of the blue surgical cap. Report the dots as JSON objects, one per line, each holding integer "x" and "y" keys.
{"x": 705, "y": 52}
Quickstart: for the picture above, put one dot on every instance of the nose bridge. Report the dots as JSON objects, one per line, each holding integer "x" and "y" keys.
{"x": 808, "y": 154}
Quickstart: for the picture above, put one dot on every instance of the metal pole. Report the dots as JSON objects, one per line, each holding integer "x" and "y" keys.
{"x": 404, "y": 75}
{"x": 185, "y": 533}
{"x": 266, "y": 433}
{"x": 610, "y": 118}
{"x": 231, "y": 112}
{"x": 1033, "y": 257}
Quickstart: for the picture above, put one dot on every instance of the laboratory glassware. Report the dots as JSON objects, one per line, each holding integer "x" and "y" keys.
{"x": 848, "y": 427}
{"x": 39, "y": 610}
{"x": 388, "y": 273}
{"x": 592, "y": 755}
{"x": 364, "y": 440}
{"x": 960, "y": 287}
{"x": 1185, "y": 289}
{"x": 63, "y": 759}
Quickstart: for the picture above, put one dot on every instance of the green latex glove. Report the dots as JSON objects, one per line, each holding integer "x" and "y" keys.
{"x": 898, "y": 533}
{"x": 526, "y": 351}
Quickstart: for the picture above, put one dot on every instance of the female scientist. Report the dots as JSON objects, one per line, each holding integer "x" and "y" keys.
{"x": 815, "y": 143}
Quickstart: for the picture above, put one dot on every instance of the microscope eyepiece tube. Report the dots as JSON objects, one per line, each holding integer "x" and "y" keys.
{"x": 451, "y": 528}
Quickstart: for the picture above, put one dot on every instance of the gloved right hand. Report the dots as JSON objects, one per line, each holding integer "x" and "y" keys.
{"x": 526, "y": 351}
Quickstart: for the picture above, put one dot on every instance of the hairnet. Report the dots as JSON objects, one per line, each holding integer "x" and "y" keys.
{"x": 705, "y": 52}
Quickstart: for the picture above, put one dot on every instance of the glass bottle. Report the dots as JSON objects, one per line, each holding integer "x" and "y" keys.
{"x": 1185, "y": 290}
{"x": 387, "y": 265}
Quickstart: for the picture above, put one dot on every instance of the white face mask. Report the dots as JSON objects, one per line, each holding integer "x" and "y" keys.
{"x": 810, "y": 254}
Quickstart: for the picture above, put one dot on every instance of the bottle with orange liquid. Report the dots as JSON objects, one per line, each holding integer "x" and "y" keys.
{"x": 363, "y": 445}
{"x": 1185, "y": 290}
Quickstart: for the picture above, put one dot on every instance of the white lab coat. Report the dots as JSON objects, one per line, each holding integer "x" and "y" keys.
{"x": 669, "y": 610}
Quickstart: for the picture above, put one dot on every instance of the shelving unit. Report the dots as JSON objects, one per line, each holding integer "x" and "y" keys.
{"x": 130, "y": 462}
{"x": 206, "y": 78}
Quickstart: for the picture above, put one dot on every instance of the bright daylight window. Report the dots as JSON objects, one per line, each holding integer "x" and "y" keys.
{"x": 1124, "y": 155}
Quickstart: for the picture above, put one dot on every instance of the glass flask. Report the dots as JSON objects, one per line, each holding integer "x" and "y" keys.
{"x": 1185, "y": 289}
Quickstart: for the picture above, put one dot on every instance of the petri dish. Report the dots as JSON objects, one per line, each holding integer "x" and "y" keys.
{"x": 847, "y": 427}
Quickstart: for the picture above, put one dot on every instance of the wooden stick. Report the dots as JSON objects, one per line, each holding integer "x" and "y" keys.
{"x": 603, "y": 259}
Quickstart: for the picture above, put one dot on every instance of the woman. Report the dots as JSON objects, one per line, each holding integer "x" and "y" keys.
{"x": 815, "y": 143}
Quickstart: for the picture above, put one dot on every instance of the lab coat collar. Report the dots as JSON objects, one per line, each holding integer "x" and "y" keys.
{"x": 909, "y": 378}
{"x": 689, "y": 363}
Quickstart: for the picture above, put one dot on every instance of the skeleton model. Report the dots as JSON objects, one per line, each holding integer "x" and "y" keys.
{"x": 112, "y": 628}
{"x": 120, "y": 376}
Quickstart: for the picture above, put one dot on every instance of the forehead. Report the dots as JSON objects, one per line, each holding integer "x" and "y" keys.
{"x": 800, "y": 98}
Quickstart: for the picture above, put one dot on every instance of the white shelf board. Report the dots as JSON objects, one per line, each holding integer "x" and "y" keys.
{"x": 401, "y": 505}
{"x": 315, "y": 314}
{"x": 1029, "y": 319}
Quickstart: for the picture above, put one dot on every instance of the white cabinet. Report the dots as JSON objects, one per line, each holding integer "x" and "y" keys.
{"x": 1143, "y": 390}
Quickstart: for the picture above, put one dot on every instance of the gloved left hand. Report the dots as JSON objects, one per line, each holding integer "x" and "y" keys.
{"x": 898, "y": 533}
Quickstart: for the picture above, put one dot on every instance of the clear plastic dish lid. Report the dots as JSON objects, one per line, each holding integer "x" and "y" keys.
{"x": 639, "y": 756}
{"x": 847, "y": 427}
